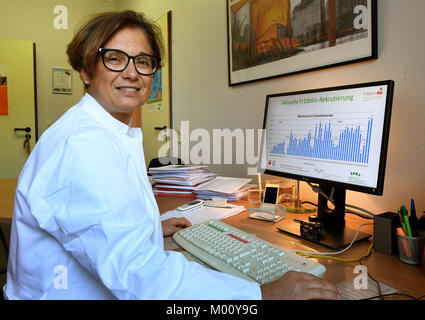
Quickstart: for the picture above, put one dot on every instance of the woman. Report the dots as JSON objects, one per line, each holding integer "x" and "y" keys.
{"x": 86, "y": 224}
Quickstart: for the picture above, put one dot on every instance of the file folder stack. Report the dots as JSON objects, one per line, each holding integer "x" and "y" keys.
{"x": 179, "y": 180}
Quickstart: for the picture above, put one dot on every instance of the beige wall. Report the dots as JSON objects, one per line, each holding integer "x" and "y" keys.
{"x": 33, "y": 20}
{"x": 201, "y": 92}
{"x": 202, "y": 95}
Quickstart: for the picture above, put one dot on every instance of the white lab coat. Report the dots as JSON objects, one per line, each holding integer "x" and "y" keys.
{"x": 86, "y": 224}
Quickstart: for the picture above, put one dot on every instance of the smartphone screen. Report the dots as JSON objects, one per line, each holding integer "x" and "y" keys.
{"x": 270, "y": 195}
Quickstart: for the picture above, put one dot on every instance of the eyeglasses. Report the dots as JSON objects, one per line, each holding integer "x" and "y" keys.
{"x": 117, "y": 60}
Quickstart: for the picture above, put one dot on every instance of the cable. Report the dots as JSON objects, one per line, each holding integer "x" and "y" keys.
{"x": 368, "y": 274}
{"x": 333, "y": 253}
{"x": 361, "y": 215}
{"x": 369, "y": 251}
{"x": 391, "y": 294}
{"x": 421, "y": 297}
{"x": 331, "y": 200}
{"x": 309, "y": 202}
{"x": 317, "y": 190}
{"x": 361, "y": 209}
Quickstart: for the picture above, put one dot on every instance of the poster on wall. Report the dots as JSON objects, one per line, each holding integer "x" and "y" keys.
{"x": 62, "y": 81}
{"x": 274, "y": 38}
{"x": 154, "y": 101}
{"x": 4, "y": 107}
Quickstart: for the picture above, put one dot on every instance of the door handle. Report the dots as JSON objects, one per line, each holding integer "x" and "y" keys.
{"x": 27, "y": 129}
{"x": 160, "y": 128}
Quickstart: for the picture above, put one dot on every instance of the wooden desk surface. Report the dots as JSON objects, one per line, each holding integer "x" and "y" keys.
{"x": 386, "y": 269}
{"x": 7, "y": 195}
{"x": 389, "y": 270}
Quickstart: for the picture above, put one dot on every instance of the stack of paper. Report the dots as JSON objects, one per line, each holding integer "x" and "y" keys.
{"x": 227, "y": 188}
{"x": 204, "y": 213}
{"x": 179, "y": 180}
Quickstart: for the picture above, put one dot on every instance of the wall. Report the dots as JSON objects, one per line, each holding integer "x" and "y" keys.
{"x": 33, "y": 20}
{"x": 202, "y": 95}
{"x": 201, "y": 92}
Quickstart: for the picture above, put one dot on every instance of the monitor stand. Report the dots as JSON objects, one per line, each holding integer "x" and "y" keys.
{"x": 334, "y": 233}
{"x": 328, "y": 239}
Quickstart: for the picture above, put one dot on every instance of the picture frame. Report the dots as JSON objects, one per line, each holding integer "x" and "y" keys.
{"x": 61, "y": 81}
{"x": 276, "y": 38}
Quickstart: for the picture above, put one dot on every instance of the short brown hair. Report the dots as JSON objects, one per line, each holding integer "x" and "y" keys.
{"x": 82, "y": 51}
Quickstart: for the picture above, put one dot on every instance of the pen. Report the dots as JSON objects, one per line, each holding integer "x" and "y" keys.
{"x": 412, "y": 208}
{"x": 401, "y": 231}
{"x": 223, "y": 207}
{"x": 413, "y": 219}
{"x": 403, "y": 225}
{"x": 406, "y": 220}
{"x": 404, "y": 242}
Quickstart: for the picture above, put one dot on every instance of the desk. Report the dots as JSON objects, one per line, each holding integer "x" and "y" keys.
{"x": 386, "y": 269}
{"x": 7, "y": 197}
{"x": 389, "y": 270}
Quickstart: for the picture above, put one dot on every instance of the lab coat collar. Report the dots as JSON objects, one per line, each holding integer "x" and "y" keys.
{"x": 90, "y": 105}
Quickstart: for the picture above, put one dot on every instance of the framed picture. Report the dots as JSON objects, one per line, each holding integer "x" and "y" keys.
{"x": 62, "y": 81}
{"x": 275, "y": 38}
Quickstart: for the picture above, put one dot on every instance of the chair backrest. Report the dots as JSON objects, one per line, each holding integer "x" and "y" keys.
{"x": 164, "y": 161}
{"x": 4, "y": 295}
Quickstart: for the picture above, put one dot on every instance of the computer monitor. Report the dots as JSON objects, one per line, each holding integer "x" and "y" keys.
{"x": 335, "y": 137}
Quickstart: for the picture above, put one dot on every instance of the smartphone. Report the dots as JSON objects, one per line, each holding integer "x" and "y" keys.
{"x": 191, "y": 205}
{"x": 271, "y": 193}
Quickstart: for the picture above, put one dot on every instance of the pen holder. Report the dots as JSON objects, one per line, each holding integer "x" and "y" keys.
{"x": 411, "y": 249}
{"x": 268, "y": 212}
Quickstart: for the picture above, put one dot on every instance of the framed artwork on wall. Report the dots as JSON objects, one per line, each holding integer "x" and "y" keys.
{"x": 275, "y": 38}
{"x": 61, "y": 81}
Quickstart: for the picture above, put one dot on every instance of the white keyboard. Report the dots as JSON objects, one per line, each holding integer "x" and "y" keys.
{"x": 228, "y": 249}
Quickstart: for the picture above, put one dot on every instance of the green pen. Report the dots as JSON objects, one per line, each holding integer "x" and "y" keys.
{"x": 403, "y": 225}
{"x": 406, "y": 220}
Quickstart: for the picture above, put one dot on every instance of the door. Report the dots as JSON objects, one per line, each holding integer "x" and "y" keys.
{"x": 156, "y": 113}
{"x": 18, "y": 105}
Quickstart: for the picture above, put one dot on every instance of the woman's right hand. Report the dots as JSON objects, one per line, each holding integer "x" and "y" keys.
{"x": 299, "y": 286}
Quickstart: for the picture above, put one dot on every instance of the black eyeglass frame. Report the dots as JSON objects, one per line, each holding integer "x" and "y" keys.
{"x": 103, "y": 51}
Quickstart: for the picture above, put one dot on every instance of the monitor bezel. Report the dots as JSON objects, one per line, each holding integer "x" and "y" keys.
{"x": 384, "y": 144}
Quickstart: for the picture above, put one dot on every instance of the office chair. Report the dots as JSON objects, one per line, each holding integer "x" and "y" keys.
{"x": 164, "y": 161}
{"x": 6, "y": 248}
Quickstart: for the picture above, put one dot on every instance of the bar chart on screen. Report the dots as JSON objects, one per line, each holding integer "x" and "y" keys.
{"x": 342, "y": 137}
{"x": 333, "y": 135}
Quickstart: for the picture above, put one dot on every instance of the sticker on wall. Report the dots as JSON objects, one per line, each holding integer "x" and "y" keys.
{"x": 154, "y": 107}
{"x": 4, "y": 107}
{"x": 60, "y": 22}
{"x": 62, "y": 81}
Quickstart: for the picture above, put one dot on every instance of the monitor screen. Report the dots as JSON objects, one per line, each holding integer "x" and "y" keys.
{"x": 337, "y": 135}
